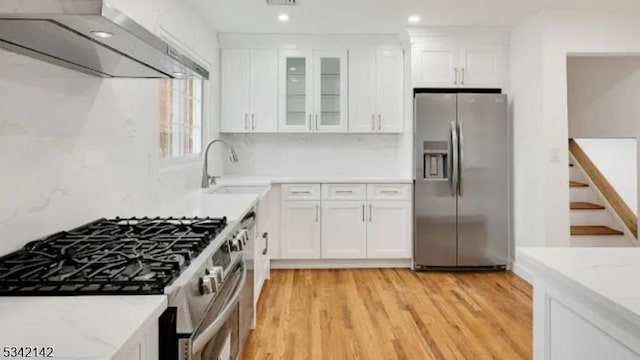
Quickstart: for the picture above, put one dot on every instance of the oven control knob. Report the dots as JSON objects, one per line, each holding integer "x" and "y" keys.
{"x": 206, "y": 285}
{"x": 209, "y": 284}
{"x": 236, "y": 244}
{"x": 218, "y": 273}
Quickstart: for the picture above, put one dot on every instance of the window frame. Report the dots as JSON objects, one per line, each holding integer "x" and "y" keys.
{"x": 189, "y": 159}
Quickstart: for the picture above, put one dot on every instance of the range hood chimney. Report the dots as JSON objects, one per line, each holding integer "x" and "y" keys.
{"x": 92, "y": 37}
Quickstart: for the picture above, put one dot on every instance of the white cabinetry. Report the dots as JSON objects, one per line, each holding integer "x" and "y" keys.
{"x": 389, "y": 230}
{"x": 344, "y": 230}
{"x": 355, "y": 221}
{"x": 144, "y": 345}
{"x": 300, "y": 230}
{"x": 376, "y": 83}
{"x": 458, "y": 60}
{"x": 313, "y": 91}
{"x": 249, "y": 90}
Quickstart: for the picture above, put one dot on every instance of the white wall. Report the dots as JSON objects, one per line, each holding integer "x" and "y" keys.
{"x": 309, "y": 155}
{"x": 526, "y": 108}
{"x": 564, "y": 33}
{"x": 617, "y": 160}
{"x": 74, "y": 148}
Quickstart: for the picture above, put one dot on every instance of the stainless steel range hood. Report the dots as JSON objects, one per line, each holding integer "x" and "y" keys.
{"x": 92, "y": 37}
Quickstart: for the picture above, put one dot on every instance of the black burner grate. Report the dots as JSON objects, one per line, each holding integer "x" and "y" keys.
{"x": 132, "y": 256}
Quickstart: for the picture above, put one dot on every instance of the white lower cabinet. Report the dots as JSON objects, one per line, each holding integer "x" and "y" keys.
{"x": 300, "y": 230}
{"x": 357, "y": 226}
{"x": 344, "y": 230}
{"x": 389, "y": 230}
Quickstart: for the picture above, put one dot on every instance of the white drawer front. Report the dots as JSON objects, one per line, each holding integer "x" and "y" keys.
{"x": 389, "y": 192}
{"x": 300, "y": 192}
{"x": 344, "y": 192}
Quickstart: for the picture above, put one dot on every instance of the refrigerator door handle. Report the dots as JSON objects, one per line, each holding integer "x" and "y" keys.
{"x": 460, "y": 157}
{"x": 453, "y": 174}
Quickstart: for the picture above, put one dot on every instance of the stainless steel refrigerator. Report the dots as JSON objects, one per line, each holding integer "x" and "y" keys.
{"x": 461, "y": 195}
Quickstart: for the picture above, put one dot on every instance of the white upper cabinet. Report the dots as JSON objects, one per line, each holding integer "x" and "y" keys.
{"x": 249, "y": 90}
{"x": 296, "y": 91}
{"x": 459, "y": 60}
{"x": 435, "y": 64}
{"x": 376, "y": 84}
{"x": 362, "y": 90}
{"x": 264, "y": 91}
{"x": 330, "y": 89}
{"x": 236, "y": 88}
{"x": 390, "y": 90}
{"x": 481, "y": 65}
{"x": 313, "y": 91}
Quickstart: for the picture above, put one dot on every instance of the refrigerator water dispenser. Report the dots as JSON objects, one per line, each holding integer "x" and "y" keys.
{"x": 435, "y": 157}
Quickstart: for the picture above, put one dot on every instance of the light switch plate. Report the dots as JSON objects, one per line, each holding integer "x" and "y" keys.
{"x": 554, "y": 155}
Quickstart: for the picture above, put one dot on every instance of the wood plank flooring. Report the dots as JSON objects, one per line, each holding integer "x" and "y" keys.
{"x": 392, "y": 314}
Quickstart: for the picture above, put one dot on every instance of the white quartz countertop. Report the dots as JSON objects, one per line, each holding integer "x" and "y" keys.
{"x": 98, "y": 327}
{"x": 80, "y": 327}
{"x": 266, "y": 180}
{"x": 608, "y": 276}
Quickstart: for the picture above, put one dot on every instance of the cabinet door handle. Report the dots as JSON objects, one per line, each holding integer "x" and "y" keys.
{"x": 379, "y": 121}
{"x": 455, "y": 72}
{"x": 253, "y": 121}
{"x": 265, "y": 236}
{"x": 462, "y": 76}
{"x": 370, "y": 213}
{"x": 310, "y": 123}
{"x": 373, "y": 122}
{"x": 317, "y": 213}
{"x": 317, "y": 128}
{"x": 246, "y": 121}
{"x": 362, "y": 212}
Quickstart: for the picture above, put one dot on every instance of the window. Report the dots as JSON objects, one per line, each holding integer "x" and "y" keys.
{"x": 181, "y": 113}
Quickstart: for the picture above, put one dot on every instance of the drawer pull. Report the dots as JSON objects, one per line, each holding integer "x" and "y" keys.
{"x": 393, "y": 192}
{"x": 344, "y": 192}
{"x": 301, "y": 192}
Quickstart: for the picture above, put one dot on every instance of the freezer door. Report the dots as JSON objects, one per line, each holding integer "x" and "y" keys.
{"x": 483, "y": 188}
{"x": 434, "y": 193}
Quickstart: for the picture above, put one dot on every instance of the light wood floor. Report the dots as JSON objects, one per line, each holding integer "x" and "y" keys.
{"x": 392, "y": 314}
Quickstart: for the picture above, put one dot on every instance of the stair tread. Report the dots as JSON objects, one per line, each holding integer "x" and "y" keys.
{"x": 584, "y": 230}
{"x": 577, "y": 184}
{"x": 586, "y": 206}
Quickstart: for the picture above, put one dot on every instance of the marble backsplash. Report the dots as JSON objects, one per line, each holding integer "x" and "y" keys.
{"x": 74, "y": 148}
{"x": 348, "y": 155}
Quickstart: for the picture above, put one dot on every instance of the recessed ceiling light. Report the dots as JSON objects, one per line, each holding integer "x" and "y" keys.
{"x": 178, "y": 74}
{"x": 102, "y": 34}
{"x": 292, "y": 69}
{"x": 414, "y": 19}
{"x": 283, "y": 18}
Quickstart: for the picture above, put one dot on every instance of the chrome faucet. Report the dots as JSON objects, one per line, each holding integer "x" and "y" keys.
{"x": 206, "y": 178}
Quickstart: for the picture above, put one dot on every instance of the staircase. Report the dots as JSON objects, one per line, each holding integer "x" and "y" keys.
{"x": 593, "y": 222}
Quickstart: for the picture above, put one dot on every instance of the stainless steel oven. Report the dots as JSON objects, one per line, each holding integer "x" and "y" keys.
{"x": 210, "y": 316}
{"x": 218, "y": 336}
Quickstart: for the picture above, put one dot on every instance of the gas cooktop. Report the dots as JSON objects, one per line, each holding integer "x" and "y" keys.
{"x": 121, "y": 256}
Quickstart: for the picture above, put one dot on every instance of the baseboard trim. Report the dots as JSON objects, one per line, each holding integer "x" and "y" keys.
{"x": 341, "y": 264}
{"x": 522, "y": 272}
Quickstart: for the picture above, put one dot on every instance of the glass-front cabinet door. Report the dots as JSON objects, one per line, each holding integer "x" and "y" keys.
{"x": 296, "y": 91}
{"x": 330, "y": 91}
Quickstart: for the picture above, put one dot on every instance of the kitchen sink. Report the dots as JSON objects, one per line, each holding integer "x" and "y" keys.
{"x": 238, "y": 189}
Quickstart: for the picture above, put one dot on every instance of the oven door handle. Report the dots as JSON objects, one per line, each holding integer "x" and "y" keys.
{"x": 201, "y": 341}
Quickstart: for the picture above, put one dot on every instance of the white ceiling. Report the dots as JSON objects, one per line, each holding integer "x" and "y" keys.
{"x": 380, "y": 16}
